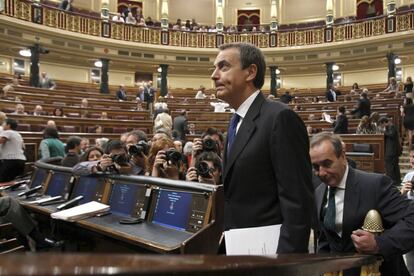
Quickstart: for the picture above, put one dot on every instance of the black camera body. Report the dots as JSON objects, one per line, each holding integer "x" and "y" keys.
{"x": 140, "y": 148}
{"x": 120, "y": 159}
{"x": 172, "y": 156}
{"x": 203, "y": 169}
{"x": 210, "y": 145}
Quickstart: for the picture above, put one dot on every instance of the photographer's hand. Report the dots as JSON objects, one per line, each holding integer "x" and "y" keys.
{"x": 140, "y": 160}
{"x": 105, "y": 162}
{"x": 406, "y": 187}
{"x": 191, "y": 175}
{"x": 197, "y": 148}
{"x": 159, "y": 163}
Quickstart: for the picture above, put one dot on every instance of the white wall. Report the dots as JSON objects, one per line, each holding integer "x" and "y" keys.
{"x": 304, "y": 81}
{"x": 365, "y": 77}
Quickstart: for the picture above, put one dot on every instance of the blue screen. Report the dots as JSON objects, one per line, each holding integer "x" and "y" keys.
{"x": 58, "y": 184}
{"x": 123, "y": 198}
{"x": 88, "y": 187}
{"x": 39, "y": 177}
{"x": 172, "y": 209}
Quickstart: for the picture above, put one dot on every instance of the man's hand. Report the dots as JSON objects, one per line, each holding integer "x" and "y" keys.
{"x": 364, "y": 242}
{"x": 140, "y": 160}
{"x": 191, "y": 175}
{"x": 406, "y": 187}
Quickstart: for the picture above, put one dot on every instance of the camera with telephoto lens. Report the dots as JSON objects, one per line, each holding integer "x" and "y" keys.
{"x": 172, "y": 156}
{"x": 203, "y": 169}
{"x": 120, "y": 159}
{"x": 140, "y": 148}
{"x": 209, "y": 145}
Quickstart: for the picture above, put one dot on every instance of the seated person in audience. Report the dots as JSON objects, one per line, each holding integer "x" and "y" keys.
{"x": 177, "y": 25}
{"x": 84, "y": 114}
{"x": 331, "y": 94}
{"x": 66, "y": 5}
{"x": 38, "y": 111}
{"x": 139, "y": 105}
{"x": 101, "y": 142}
{"x": 104, "y": 115}
{"x": 73, "y": 149}
{"x": 311, "y": 117}
{"x": 3, "y": 118}
{"x": 121, "y": 93}
{"x": 363, "y": 106}
{"x": 130, "y": 19}
{"x": 58, "y": 112}
{"x": 51, "y": 146}
{"x": 97, "y": 129}
{"x": 17, "y": 99}
{"x": 9, "y": 87}
{"x": 46, "y": 82}
{"x": 297, "y": 108}
{"x": 219, "y": 106}
{"x": 392, "y": 86}
{"x": 355, "y": 87}
{"x": 213, "y": 96}
{"x": 141, "y": 93}
{"x": 12, "y": 158}
{"x": 115, "y": 160}
{"x": 12, "y": 212}
{"x": 51, "y": 123}
{"x": 142, "y": 23}
{"x": 118, "y": 18}
{"x": 366, "y": 127}
{"x": 286, "y": 98}
{"x": 19, "y": 110}
{"x": 84, "y": 144}
{"x": 164, "y": 161}
{"x": 207, "y": 169}
{"x": 84, "y": 103}
{"x": 201, "y": 93}
{"x": 344, "y": 198}
{"x": 138, "y": 148}
{"x": 159, "y": 134}
{"x": 149, "y": 21}
{"x": 340, "y": 125}
{"x": 191, "y": 129}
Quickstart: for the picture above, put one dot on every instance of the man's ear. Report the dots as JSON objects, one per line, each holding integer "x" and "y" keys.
{"x": 252, "y": 72}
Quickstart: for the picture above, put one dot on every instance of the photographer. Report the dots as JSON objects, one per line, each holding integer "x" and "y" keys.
{"x": 207, "y": 169}
{"x": 164, "y": 161}
{"x": 138, "y": 148}
{"x": 205, "y": 144}
{"x": 115, "y": 160}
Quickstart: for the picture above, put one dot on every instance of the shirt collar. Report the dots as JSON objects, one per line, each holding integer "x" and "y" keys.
{"x": 342, "y": 183}
{"x": 244, "y": 107}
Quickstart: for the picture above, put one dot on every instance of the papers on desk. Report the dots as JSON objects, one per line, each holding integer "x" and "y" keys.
{"x": 253, "y": 241}
{"x": 327, "y": 118}
{"x": 81, "y": 211}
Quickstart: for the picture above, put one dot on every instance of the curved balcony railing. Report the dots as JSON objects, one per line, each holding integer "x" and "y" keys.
{"x": 91, "y": 25}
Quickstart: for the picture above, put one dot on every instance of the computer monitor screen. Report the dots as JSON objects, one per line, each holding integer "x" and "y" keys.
{"x": 91, "y": 188}
{"x": 183, "y": 211}
{"x": 38, "y": 177}
{"x": 128, "y": 199}
{"x": 59, "y": 184}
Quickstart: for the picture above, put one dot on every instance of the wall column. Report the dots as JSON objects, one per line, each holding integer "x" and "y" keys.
{"x": 164, "y": 85}
{"x": 164, "y": 14}
{"x": 329, "y": 74}
{"x": 34, "y": 65}
{"x": 391, "y": 65}
{"x": 104, "y": 89}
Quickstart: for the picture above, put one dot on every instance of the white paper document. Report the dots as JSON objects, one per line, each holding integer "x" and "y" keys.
{"x": 81, "y": 211}
{"x": 253, "y": 241}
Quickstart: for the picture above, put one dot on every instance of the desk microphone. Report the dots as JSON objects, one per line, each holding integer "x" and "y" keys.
{"x": 31, "y": 191}
{"x": 71, "y": 203}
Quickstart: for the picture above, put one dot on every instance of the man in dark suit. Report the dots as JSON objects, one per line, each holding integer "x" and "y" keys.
{"x": 121, "y": 93}
{"x": 363, "y": 106}
{"x": 392, "y": 149}
{"x": 343, "y": 200}
{"x": 267, "y": 170}
{"x": 331, "y": 94}
{"x": 180, "y": 125}
{"x": 341, "y": 123}
{"x": 149, "y": 95}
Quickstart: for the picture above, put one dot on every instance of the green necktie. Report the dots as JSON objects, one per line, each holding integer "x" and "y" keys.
{"x": 330, "y": 212}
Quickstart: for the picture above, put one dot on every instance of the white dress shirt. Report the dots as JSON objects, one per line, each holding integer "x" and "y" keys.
{"x": 244, "y": 107}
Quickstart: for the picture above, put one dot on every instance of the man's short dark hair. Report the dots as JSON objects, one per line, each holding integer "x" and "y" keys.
{"x": 72, "y": 142}
{"x": 12, "y": 123}
{"x": 250, "y": 54}
{"x": 50, "y": 132}
{"x": 334, "y": 139}
{"x": 341, "y": 109}
{"x": 383, "y": 120}
{"x": 141, "y": 135}
{"x": 213, "y": 131}
{"x": 364, "y": 95}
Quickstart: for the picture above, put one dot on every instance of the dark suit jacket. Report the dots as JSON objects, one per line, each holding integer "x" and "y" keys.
{"x": 180, "y": 124}
{"x": 329, "y": 96}
{"x": 341, "y": 125}
{"x": 366, "y": 191}
{"x": 392, "y": 142}
{"x": 121, "y": 96}
{"x": 267, "y": 176}
{"x": 363, "y": 108}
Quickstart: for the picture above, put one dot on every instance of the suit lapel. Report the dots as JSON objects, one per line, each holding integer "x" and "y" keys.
{"x": 320, "y": 196}
{"x": 246, "y": 130}
{"x": 351, "y": 205}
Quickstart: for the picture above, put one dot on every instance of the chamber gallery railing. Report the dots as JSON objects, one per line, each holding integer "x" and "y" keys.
{"x": 95, "y": 26}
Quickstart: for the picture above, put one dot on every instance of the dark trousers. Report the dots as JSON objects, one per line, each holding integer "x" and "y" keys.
{"x": 392, "y": 169}
{"x": 9, "y": 169}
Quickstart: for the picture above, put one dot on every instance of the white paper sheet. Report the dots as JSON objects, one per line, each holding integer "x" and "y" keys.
{"x": 253, "y": 241}
{"x": 81, "y": 211}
